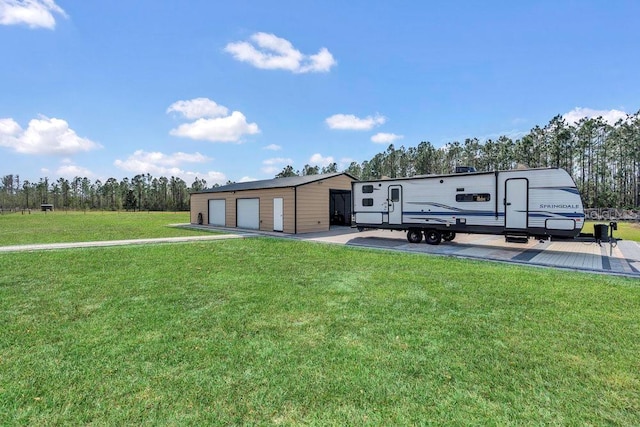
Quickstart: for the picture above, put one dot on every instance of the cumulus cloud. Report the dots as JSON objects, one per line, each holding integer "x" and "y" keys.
{"x": 161, "y": 164}
{"x": 277, "y": 161}
{"x": 213, "y": 121}
{"x": 351, "y": 122}
{"x": 275, "y": 165}
{"x": 43, "y": 136}
{"x": 141, "y": 159}
{"x": 33, "y": 13}
{"x": 267, "y": 51}
{"x": 198, "y": 108}
{"x": 273, "y": 147}
{"x": 70, "y": 171}
{"x": 385, "y": 138}
{"x": 318, "y": 159}
{"x": 609, "y": 116}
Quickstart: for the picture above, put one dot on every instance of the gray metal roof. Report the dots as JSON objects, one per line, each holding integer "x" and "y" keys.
{"x": 293, "y": 181}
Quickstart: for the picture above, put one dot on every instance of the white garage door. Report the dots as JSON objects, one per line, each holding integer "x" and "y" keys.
{"x": 248, "y": 215}
{"x": 217, "y": 212}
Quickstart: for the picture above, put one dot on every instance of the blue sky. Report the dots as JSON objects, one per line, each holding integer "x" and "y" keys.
{"x": 238, "y": 90}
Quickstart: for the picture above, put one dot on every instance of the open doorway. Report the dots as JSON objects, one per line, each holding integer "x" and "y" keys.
{"x": 340, "y": 207}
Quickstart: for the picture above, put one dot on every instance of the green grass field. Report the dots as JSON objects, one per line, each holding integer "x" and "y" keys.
{"x": 63, "y": 227}
{"x": 275, "y": 331}
{"x": 625, "y": 231}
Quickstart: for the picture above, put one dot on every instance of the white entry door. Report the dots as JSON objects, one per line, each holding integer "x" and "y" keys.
{"x": 248, "y": 213}
{"x": 515, "y": 210}
{"x": 278, "y": 214}
{"x": 395, "y": 204}
{"x": 217, "y": 212}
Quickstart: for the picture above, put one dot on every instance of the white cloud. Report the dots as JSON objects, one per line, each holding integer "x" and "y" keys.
{"x": 275, "y": 165}
{"x": 320, "y": 62}
{"x": 70, "y": 171}
{"x": 267, "y": 51}
{"x": 43, "y": 136}
{"x": 273, "y": 147}
{"x": 385, "y": 138}
{"x": 351, "y": 122}
{"x": 33, "y": 13}
{"x": 141, "y": 159}
{"x": 609, "y": 116}
{"x": 278, "y": 161}
{"x": 247, "y": 179}
{"x": 213, "y": 122}
{"x": 212, "y": 177}
{"x": 198, "y": 108}
{"x": 160, "y": 164}
{"x": 318, "y": 159}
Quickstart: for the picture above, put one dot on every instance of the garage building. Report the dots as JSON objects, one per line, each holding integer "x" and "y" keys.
{"x": 298, "y": 204}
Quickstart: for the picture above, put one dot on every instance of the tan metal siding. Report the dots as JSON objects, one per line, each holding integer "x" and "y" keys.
{"x": 312, "y": 205}
{"x": 200, "y": 203}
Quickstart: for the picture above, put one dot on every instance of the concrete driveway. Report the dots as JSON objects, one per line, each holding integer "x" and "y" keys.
{"x": 622, "y": 257}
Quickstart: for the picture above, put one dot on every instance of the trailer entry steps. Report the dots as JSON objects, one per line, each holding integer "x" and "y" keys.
{"x": 516, "y": 237}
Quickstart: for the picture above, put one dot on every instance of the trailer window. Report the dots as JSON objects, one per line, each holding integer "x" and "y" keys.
{"x": 395, "y": 194}
{"x": 367, "y": 202}
{"x": 367, "y": 188}
{"x": 477, "y": 197}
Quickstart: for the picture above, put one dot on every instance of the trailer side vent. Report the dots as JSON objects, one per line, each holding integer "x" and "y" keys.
{"x": 459, "y": 189}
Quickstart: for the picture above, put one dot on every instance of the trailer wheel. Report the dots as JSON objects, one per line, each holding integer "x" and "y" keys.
{"x": 449, "y": 236}
{"x": 414, "y": 235}
{"x": 433, "y": 237}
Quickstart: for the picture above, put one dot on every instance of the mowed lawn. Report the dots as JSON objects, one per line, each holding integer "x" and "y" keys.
{"x": 629, "y": 230}
{"x": 72, "y": 226}
{"x": 271, "y": 331}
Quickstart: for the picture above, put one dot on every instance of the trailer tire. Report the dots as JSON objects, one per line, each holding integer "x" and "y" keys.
{"x": 449, "y": 236}
{"x": 432, "y": 237}
{"x": 414, "y": 235}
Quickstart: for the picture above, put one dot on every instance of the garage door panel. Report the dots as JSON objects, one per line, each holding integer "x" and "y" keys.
{"x": 217, "y": 212}
{"x": 248, "y": 213}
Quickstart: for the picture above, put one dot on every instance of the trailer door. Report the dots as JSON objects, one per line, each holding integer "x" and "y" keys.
{"x": 395, "y": 204}
{"x": 516, "y": 206}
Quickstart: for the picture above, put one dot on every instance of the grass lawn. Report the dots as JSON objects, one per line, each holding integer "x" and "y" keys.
{"x": 625, "y": 231}
{"x": 269, "y": 331}
{"x": 63, "y": 227}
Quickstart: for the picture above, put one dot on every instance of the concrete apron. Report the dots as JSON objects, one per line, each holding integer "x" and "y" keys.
{"x": 622, "y": 258}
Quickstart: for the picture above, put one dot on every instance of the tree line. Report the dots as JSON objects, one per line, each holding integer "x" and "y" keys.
{"x": 142, "y": 192}
{"x": 603, "y": 159}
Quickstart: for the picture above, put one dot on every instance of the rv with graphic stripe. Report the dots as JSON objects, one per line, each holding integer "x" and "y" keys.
{"x": 518, "y": 203}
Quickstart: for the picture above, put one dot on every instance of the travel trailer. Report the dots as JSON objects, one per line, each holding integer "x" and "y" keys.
{"x": 518, "y": 203}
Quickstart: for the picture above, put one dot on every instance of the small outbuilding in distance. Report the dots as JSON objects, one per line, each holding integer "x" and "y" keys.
{"x": 298, "y": 204}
